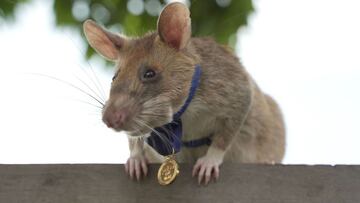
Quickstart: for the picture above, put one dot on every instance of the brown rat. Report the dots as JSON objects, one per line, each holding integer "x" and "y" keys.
{"x": 152, "y": 82}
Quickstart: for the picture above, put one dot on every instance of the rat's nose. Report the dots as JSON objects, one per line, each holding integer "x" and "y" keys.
{"x": 115, "y": 119}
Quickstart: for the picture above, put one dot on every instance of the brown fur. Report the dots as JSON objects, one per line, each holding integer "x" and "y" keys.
{"x": 246, "y": 124}
{"x": 228, "y": 102}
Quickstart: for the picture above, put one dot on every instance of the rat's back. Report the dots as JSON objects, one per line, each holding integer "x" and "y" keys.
{"x": 224, "y": 89}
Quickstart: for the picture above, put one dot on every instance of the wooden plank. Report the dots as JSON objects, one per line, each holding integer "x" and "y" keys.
{"x": 108, "y": 183}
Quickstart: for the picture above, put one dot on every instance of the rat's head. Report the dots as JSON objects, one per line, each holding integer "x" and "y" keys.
{"x": 153, "y": 73}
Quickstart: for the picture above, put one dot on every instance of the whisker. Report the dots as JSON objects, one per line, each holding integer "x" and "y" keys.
{"x": 138, "y": 127}
{"x": 152, "y": 115}
{"x": 100, "y": 98}
{"x": 171, "y": 134}
{"x": 164, "y": 139}
{"x": 97, "y": 80}
{"x": 91, "y": 104}
{"x": 97, "y": 83}
{"x": 70, "y": 84}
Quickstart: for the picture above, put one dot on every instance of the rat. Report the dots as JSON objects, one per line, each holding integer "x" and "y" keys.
{"x": 224, "y": 116}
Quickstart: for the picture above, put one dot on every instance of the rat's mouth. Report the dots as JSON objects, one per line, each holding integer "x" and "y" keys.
{"x": 141, "y": 129}
{"x": 131, "y": 129}
{"x": 141, "y": 126}
{"x": 137, "y": 119}
{"x": 137, "y": 133}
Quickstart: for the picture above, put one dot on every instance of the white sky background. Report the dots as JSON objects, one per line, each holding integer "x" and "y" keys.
{"x": 304, "y": 53}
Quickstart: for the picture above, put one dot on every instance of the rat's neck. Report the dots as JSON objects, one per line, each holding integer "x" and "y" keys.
{"x": 194, "y": 86}
{"x": 173, "y": 131}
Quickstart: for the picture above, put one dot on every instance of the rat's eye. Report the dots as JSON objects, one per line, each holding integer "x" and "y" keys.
{"x": 149, "y": 73}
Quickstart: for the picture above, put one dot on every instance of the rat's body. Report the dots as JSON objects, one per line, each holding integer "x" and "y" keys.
{"x": 224, "y": 90}
{"x": 225, "y": 87}
{"x": 152, "y": 82}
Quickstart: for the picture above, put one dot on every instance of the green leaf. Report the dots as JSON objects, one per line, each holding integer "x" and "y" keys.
{"x": 208, "y": 17}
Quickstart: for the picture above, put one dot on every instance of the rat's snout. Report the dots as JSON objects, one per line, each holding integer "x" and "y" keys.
{"x": 115, "y": 118}
{"x": 118, "y": 112}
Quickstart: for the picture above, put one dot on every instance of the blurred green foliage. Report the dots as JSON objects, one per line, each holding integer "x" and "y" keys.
{"x": 7, "y": 8}
{"x": 217, "y": 18}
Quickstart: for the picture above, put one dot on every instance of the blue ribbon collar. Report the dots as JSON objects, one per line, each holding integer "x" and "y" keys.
{"x": 166, "y": 139}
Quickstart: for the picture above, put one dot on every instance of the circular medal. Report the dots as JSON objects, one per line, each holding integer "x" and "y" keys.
{"x": 168, "y": 171}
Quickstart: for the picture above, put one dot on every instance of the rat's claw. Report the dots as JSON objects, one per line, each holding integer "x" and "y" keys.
{"x": 206, "y": 169}
{"x": 144, "y": 167}
{"x": 196, "y": 168}
{"x": 208, "y": 175}
{"x": 137, "y": 169}
{"x": 130, "y": 167}
{"x": 216, "y": 173}
{"x": 201, "y": 174}
{"x": 136, "y": 166}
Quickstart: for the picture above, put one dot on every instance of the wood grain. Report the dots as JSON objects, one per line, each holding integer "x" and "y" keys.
{"x": 108, "y": 183}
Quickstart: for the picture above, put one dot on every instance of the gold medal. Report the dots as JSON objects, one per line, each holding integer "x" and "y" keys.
{"x": 168, "y": 171}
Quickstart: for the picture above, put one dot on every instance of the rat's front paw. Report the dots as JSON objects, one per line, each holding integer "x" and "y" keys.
{"x": 206, "y": 168}
{"x": 136, "y": 166}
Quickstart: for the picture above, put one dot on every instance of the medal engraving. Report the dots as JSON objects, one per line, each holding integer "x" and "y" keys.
{"x": 168, "y": 171}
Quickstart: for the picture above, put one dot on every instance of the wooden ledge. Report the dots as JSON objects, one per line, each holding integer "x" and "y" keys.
{"x": 103, "y": 183}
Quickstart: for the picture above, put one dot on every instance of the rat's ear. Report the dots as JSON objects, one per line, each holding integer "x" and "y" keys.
{"x": 104, "y": 42}
{"x": 174, "y": 25}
